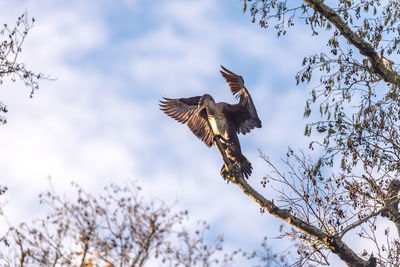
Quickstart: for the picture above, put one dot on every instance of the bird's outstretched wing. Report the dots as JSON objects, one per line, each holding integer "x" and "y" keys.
{"x": 244, "y": 114}
{"x": 185, "y": 111}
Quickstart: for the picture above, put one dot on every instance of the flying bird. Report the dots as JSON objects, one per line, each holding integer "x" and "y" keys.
{"x": 209, "y": 120}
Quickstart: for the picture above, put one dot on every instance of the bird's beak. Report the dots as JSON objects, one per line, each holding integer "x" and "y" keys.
{"x": 200, "y": 107}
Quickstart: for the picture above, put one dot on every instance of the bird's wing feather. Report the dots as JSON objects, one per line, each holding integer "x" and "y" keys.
{"x": 184, "y": 110}
{"x": 244, "y": 114}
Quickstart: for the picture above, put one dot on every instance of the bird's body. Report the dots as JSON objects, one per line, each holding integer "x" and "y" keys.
{"x": 217, "y": 119}
{"x": 209, "y": 120}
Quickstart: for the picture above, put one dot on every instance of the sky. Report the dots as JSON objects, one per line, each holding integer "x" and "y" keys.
{"x": 99, "y": 122}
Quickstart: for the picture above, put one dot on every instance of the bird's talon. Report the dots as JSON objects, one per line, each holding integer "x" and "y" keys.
{"x": 204, "y": 117}
{"x": 224, "y": 173}
{"x": 229, "y": 175}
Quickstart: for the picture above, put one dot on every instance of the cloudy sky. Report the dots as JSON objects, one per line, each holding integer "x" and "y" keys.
{"x": 99, "y": 121}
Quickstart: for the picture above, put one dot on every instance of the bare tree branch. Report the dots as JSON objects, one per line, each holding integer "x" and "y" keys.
{"x": 332, "y": 241}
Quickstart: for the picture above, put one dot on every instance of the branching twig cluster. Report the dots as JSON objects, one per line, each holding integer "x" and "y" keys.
{"x": 12, "y": 39}
{"x": 119, "y": 227}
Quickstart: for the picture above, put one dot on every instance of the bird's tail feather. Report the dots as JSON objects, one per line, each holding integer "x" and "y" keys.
{"x": 245, "y": 164}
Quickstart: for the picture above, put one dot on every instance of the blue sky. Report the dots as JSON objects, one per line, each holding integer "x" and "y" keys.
{"x": 99, "y": 121}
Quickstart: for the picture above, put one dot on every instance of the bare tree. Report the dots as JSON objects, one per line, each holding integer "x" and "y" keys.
{"x": 348, "y": 190}
{"x": 11, "y": 42}
{"x": 119, "y": 227}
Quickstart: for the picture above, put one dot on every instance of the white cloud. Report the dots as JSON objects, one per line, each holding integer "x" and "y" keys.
{"x": 94, "y": 127}
{"x": 165, "y": 61}
{"x": 194, "y": 16}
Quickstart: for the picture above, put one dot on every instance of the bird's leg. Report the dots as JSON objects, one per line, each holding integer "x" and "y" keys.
{"x": 231, "y": 170}
{"x": 226, "y": 173}
{"x": 215, "y": 136}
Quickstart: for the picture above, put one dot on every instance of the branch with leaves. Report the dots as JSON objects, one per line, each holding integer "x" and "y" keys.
{"x": 358, "y": 97}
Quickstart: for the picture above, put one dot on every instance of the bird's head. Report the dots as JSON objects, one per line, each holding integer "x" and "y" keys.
{"x": 204, "y": 102}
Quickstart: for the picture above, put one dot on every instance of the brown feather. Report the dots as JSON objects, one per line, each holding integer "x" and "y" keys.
{"x": 244, "y": 114}
{"x": 226, "y": 119}
{"x": 184, "y": 110}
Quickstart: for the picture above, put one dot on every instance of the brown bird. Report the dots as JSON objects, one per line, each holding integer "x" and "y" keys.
{"x": 209, "y": 120}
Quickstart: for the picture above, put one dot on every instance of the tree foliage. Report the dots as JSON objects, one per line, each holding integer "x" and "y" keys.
{"x": 353, "y": 186}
